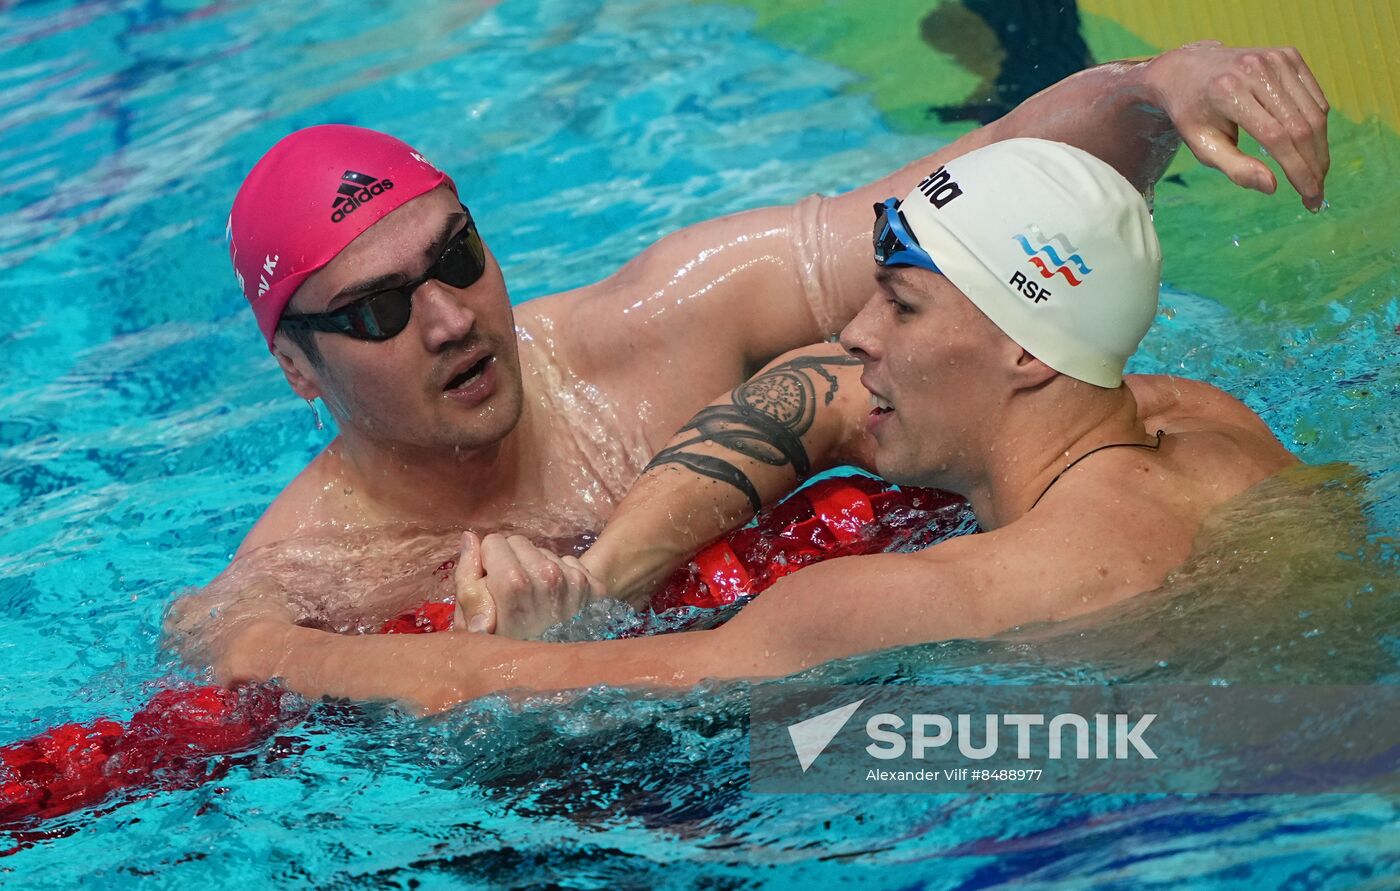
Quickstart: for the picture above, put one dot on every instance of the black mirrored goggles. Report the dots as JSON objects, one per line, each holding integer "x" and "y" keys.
{"x": 383, "y": 314}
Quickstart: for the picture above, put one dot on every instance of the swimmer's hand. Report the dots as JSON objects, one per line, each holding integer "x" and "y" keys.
{"x": 507, "y": 585}
{"x": 1211, "y": 92}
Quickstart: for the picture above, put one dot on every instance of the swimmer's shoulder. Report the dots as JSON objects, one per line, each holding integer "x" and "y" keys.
{"x": 301, "y": 506}
{"x": 1215, "y": 449}
{"x": 1183, "y": 405}
{"x": 1168, "y": 395}
{"x": 582, "y": 330}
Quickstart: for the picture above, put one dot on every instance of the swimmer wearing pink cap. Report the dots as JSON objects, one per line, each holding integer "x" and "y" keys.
{"x": 377, "y": 295}
{"x": 275, "y": 243}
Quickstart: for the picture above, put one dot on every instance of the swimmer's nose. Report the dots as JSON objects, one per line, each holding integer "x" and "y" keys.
{"x": 858, "y": 336}
{"x": 443, "y": 320}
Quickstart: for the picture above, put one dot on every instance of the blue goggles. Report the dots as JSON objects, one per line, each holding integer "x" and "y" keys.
{"x": 895, "y": 245}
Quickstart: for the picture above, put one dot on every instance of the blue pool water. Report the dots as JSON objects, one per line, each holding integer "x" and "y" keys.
{"x": 144, "y": 428}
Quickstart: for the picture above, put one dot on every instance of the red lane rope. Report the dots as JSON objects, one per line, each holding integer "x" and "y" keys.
{"x": 836, "y": 517}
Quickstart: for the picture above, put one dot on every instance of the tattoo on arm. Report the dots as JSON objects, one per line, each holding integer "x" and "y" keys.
{"x": 764, "y": 420}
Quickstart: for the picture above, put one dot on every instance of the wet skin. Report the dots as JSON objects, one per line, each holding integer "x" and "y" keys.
{"x": 586, "y": 385}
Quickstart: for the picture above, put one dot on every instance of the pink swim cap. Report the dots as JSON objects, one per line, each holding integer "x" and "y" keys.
{"x": 310, "y": 196}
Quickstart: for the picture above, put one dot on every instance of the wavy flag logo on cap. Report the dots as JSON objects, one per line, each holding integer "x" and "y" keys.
{"x": 1047, "y": 247}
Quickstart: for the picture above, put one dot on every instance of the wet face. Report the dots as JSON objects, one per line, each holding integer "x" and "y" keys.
{"x": 451, "y": 378}
{"x": 936, "y": 370}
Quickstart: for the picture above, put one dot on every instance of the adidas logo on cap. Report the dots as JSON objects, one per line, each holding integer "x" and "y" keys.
{"x": 357, "y": 188}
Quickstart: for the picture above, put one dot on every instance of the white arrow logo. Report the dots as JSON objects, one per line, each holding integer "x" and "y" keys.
{"x": 811, "y": 737}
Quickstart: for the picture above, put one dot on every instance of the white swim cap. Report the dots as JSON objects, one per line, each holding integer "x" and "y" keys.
{"x": 1052, "y": 244}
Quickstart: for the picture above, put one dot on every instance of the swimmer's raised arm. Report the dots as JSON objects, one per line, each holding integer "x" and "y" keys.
{"x": 766, "y": 281}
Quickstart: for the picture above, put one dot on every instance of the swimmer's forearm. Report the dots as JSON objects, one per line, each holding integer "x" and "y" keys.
{"x": 669, "y": 515}
{"x": 743, "y": 452}
{"x": 418, "y": 670}
{"x": 820, "y": 613}
{"x": 1111, "y": 111}
{"x": 780, "y": 633}
{"x": 433, "y": 672}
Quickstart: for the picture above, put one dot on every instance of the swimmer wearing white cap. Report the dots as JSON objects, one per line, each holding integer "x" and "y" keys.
{"x": 1013, "y": 284}
{"x": 456, "y": 410}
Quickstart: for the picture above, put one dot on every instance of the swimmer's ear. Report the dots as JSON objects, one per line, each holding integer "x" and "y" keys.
{"x": 299, "y": 370}
{"x": 1027, "y": 372}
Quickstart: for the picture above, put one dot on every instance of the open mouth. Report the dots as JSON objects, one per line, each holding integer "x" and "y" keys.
{"x": 469, "y": 374}
{"x": 880, "y": 406}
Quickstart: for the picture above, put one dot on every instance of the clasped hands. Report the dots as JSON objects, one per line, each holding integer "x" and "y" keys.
{"x": 508, "y": 586}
